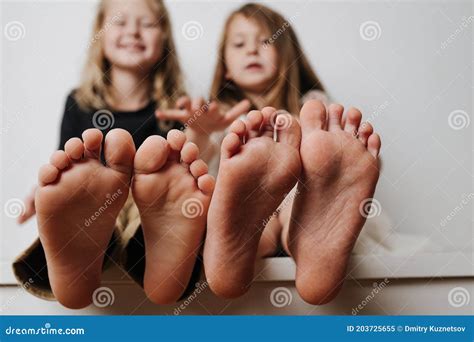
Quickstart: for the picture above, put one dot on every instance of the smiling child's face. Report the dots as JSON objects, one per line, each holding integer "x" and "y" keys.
{"x": 250, "y": 62}
{"x": 132, "y": 36}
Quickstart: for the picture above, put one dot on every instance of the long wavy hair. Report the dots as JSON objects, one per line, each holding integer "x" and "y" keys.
{"x": 94, "y": 89}
{"x": 295, "y": 75}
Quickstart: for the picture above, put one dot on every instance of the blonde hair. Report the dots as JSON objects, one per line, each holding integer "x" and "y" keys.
{"x": 296, "y": 77}
{"x": 93, "y": 91}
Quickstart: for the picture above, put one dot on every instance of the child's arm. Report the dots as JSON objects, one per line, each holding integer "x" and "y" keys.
{"x": 201, "y": 119}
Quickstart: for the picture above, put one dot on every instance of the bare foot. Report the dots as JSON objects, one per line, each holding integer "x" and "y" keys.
{"x": 340, "y": 171}
{"x": 255, "y": 173}
{"x": 172, "y": 191}
{"x": 77, "y": 202}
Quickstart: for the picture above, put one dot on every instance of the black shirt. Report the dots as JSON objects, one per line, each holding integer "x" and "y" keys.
{"x": 140, "y": 124}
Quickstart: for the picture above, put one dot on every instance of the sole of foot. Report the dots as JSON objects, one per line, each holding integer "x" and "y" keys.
{"x": 256, "y": 171}
{"x": 172, "y": 190}
{"x": 340, "y": 171}
{"x": 77, "y": 203}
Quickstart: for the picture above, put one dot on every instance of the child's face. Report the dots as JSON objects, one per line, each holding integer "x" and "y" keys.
{"x": 132, "y": 36}
{"x": 251, "y": 63}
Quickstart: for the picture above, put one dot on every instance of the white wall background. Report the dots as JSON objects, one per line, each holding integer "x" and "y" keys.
{"x": 407, "y": 81}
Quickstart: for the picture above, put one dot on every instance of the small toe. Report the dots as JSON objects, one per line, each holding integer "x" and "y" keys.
{"x": 119, "y": 150}
{"x": 230, "y": 145}
{"x": 334, "y": 117}
{"x": 353, "y": 121}
{"x": 365, "y": 130}
{"x": 288, "y": 130}
{"x": 59, "y": 159}
{"x": 151, "y": 155}
{"x": 254, "y": 120}
{"x": 206, "y": 183}
{"x": 47, "y": 174}
{"x": 176, "y": 139}
{"x": 198, "y": 168}
{"x": 92, "y": 138}
{"x": 239, "y": 128}
{"x": 189, "y": 152}
{"x": 373, "y": 144}
{"x": 74, "y": 148}
{"x": 313, "y": 116}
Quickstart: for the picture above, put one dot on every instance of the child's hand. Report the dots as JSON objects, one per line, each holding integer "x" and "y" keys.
{"x": 30, "y": 210}
{"x": 204, "y": 118}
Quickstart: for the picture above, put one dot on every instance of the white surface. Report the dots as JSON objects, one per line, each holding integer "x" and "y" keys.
{"x": 400, "y": 82}
{"x": 426, "y": 296}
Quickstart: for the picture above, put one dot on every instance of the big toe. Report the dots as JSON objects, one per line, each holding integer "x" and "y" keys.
{"x": 151, "y": 155}
{"x": 119, "y": 150}
{"x": 313, "y": 116}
